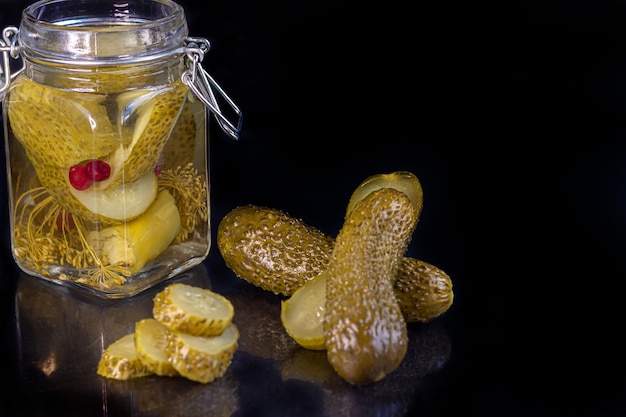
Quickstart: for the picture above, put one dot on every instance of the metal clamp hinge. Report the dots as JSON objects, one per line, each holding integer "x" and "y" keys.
{"x": 202, "y": 85}
{"x": 8, "y": 50}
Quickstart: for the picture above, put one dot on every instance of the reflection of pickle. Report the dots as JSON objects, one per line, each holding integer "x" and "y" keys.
{"x": 257, "y": 315}
{"x": 166, "y": 397}
{"x": 428, "y": 351}
{"x": 311, "y": 366}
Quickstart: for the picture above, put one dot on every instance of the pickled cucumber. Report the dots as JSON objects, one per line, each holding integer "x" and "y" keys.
{"x": 271, "y": 249}
{"x": 364, "y": 330}
{"x": 353, "y": 296}
{"x": 422, "y": 290}
{"x": 280, "y": 253}
{"x": 180, "y": 148}
{"x": 153, "y": 114}
{"x": 60, "y": 129}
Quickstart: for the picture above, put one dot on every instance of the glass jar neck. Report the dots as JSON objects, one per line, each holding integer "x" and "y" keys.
{"x": 105, "y": 79}
{"x": 87, "y": 33}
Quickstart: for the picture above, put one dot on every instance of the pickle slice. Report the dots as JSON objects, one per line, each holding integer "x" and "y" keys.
{"x": 302, "y": 315}
{"x": 193, "y": 310}
{"x": 124, "y": 202}
{"x": 120, "y": 361}
{"x": 150, "y": 341}
{"x": 202, "y": 359}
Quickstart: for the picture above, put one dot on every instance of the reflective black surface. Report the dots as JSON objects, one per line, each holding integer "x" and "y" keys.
{"x": 60, "y": 336}
{"x": 513, "y": 118}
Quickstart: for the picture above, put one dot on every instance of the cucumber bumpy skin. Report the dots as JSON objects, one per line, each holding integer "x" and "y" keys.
{"x": 364, "y": 330}
{"x": 276, "y": 252}
{"x": 120, "y": 360}
{"x": 271, "y": 249}
{"x": 202, "y": 359}
{"x": 193, "y": 310}
{"x": 424, "y": 291}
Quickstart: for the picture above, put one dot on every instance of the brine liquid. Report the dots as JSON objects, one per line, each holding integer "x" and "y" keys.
{"x": 108, "y": 230}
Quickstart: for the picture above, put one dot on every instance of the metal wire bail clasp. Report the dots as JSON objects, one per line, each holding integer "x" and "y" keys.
{"x": 8, "y": 49}
{"x": 202, "y": 85}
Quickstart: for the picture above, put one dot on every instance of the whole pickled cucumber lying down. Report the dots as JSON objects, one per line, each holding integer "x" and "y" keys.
{"x": 279, "y": 253}
{"x": 271, "y": 249}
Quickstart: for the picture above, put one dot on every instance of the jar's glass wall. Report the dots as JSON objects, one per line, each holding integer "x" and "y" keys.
{"x": 108, "y": 173}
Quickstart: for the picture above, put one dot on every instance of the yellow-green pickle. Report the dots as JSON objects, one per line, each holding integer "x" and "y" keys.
{"x": 107, "y": 143}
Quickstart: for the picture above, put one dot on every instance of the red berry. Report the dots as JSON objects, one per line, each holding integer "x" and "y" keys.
{"x": 157, "y": 170}
{"x": 78, "y": 177}
{"x": 97, "y": 170}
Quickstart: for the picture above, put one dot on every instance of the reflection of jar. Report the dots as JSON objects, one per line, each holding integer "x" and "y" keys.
{"x": 60, "y": 338}
{"x": 106, "y": 136}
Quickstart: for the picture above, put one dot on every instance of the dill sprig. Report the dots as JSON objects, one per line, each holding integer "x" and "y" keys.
{"x": 45, "y": 236}
{"x": 190, "y": 192}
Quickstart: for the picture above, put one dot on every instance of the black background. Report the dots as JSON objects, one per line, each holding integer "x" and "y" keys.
{"x": 511, "y": 114}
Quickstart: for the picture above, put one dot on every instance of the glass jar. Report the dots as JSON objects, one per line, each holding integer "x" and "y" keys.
{"x": 107, "y": 143}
